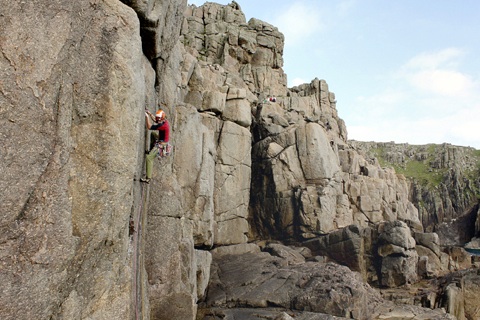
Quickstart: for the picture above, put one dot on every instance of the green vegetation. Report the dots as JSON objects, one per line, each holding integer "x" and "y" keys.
{"x": 476, "y": 154}
{"x": 379, "y": 154}
{"x": 420, "y": 171}
{"x": 475, "y": 174}
{"x": 425, "y": 164}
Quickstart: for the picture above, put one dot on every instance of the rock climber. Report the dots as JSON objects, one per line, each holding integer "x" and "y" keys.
{"x": 159, "y": 138}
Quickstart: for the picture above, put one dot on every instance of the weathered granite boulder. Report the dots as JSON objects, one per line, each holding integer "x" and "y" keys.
{"x": 250, "y": 284}
{"x": 261, "y": 280}
{"x": 291, "y": 255}
{"x": 362, "y": 249}
{"x": 428, "y": 240}
{"x": 471, "y": 288}
{"x": 350, "y": 246}
{"x": 396, "y": 249}
{"x": 459, "y": 293}
{"x": 317, "y": 158}
{"x": 432, "y": 261}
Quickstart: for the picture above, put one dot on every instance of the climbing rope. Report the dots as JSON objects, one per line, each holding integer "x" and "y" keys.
{"x": 136, "y": 244}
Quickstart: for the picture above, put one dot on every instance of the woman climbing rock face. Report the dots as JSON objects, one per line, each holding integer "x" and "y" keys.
{"x": 159, "y": 139}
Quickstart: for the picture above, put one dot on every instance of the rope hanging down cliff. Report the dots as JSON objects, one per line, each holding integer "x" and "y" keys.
{"x": 137, "y": 237}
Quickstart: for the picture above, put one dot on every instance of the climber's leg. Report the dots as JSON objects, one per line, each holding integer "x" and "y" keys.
{"x": 153, "y": 139}
{"x": 149, "y": 162}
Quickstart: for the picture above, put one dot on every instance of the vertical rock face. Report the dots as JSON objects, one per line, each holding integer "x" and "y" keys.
{"x": 443, "y": 181}
{"x": 308, "y": 180}
{"x": 73, "y": 87}
{"x": 252, "y": 160}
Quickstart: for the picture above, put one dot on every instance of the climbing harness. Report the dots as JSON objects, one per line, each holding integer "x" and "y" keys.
{"x": 164, "y": 149}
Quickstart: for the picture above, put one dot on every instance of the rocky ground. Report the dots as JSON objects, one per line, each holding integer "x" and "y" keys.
{"x": 279, "y": 282}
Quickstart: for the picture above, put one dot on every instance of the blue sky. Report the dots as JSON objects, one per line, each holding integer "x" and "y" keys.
{"x": 401, "y": 70}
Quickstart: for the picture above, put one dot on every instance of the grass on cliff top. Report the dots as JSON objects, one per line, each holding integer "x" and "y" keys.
{"x": 420, "y": 171}
{"x": 476, "y": 153}
{"x": 423, "y": 173}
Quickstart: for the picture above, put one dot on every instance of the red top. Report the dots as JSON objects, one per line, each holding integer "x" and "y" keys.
{"x": 163, "y": 130}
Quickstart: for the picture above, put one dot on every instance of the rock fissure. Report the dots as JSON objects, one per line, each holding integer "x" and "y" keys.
{"x": 259, "y": 165}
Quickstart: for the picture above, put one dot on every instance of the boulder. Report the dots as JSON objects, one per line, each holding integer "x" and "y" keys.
{"x": 260, "y": 280}
{"x": 471, "y": 288}
{"x": 291, "y": 255}
{"x": 428, "y": 240}
{"x": 350, "y": 246}
{"x": 250, "y": 284}
{"x": 396, "y": 250}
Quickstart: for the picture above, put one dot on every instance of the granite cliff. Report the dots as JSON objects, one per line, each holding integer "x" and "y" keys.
{"x": 264, "y": 210}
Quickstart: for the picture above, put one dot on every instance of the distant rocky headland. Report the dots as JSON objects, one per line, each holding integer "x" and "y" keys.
{"x": 264, "y": 210}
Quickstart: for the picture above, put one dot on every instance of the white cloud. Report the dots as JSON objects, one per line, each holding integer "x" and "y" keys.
{"x": 372, "y": 110}
{"x": 427, "y": 101}
{"x": 298, "y": 22}
{"x": 463, "y": 126}
{"x": 448, "y": 57}
{"x": 443, "y": 82}
{"x": 388, "y": 97}
{"x": 436, "y": 73}
{"x": 456, "y": 124}
{"x": 413, "y": 131}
